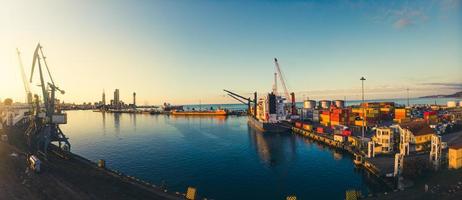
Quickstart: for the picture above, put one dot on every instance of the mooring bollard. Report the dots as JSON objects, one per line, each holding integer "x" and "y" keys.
{"x": 191, "y": 193}
{"x": 101, "y": 163}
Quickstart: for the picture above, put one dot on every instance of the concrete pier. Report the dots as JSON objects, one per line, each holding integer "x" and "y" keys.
{"x": 76, "y": 178}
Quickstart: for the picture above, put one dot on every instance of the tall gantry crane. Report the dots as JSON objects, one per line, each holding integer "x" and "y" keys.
{"x": 289, "y": 96}
{"x": 44, "y": 129}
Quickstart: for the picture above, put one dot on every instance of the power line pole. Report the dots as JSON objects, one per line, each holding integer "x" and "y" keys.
{"x": 364, "y": 110}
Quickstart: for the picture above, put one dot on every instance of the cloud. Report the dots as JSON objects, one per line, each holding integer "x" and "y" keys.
{"x": 402, "y": 23}
{"x": 444, "y": 85}
{"x": 407, "y": 16}
{"x": 449, "y": 4}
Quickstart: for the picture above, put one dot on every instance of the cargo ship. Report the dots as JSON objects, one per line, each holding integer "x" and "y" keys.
{"x": 218, "y": 112}
{"x": 270, "y": 114}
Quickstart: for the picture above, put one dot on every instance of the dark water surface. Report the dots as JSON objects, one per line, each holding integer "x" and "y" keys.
{"x": 221, "y": 156}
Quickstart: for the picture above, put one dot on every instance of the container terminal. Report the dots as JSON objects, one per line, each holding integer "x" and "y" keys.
{"x": 386, "y": 139}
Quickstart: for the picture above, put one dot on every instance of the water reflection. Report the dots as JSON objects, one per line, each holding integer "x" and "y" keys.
{"x": 133, "y": 120}
{"x": 337, "y": 155}
{"x": 104, "y": 122}
{"x": 273, "y": 149}
{"x": 117, "y": 123}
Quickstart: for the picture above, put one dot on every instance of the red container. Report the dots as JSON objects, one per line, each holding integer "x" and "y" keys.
{"x": 320, "y": 130}
{"x": 429, "y": 113}
{"x": 298, "y": 124}
{"x": 346, "y": 133}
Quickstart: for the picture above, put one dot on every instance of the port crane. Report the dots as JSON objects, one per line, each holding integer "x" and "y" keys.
{"x": 44, "y": 128}
{"x": 244, "y": 100}
{"x": 289, "y": 96}
{"x": 19, "y": 115}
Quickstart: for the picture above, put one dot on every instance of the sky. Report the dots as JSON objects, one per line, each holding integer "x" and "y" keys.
{"x": 186, "y": 52}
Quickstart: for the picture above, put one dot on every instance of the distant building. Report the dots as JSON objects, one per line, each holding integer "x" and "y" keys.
{"x": 134, "y": 98}
{"x": 455, "y": 156}
{"x": 103, "y": 101}
{"x": 116, "y": 98}
{"x": 418, "y": 133}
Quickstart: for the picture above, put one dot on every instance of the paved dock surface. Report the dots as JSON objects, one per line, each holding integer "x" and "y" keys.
{"x": 66, "y": 179}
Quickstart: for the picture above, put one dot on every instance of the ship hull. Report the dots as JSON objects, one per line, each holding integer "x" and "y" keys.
{"x": 268, "y": 127}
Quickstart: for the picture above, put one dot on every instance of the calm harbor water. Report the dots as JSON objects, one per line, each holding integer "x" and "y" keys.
{"x": 221, "y": 156}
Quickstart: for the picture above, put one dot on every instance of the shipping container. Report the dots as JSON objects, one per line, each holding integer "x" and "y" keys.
{"x": 298, "y": 124}
{"x": 346, "y": 133}
{"x": 320, "y": 130}
{"x": 308, "y": 127}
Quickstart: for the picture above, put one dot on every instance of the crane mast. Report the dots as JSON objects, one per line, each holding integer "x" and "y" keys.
{"x": 275, "y": 86}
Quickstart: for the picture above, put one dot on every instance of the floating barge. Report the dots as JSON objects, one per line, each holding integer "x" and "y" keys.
{"x": 218, "y": 112}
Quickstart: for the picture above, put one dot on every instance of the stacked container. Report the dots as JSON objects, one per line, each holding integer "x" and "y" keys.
{"x": 339, "y": 116}
{"x": 431, "y": 117}
{"x": 316, "y": 114}
{"x": 325, "y": 118}
{"x": 401, "y": 113}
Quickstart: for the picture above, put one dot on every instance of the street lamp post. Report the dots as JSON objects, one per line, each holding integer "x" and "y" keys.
{"x": 364, "y": 110}
{"x": 408, "y": 105}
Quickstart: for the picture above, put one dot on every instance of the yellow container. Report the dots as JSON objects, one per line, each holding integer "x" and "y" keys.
{"x": 334, "y": 123}
{"x": 359, "y": 123}
{"x": 308, "y": 127}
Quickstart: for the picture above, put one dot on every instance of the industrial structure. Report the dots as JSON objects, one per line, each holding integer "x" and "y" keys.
{"x": 44, "y": 127}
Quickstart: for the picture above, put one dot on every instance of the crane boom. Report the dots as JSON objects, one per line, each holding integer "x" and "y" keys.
{"x": 24, "y": 78}
{"x": 281, "y": 78}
